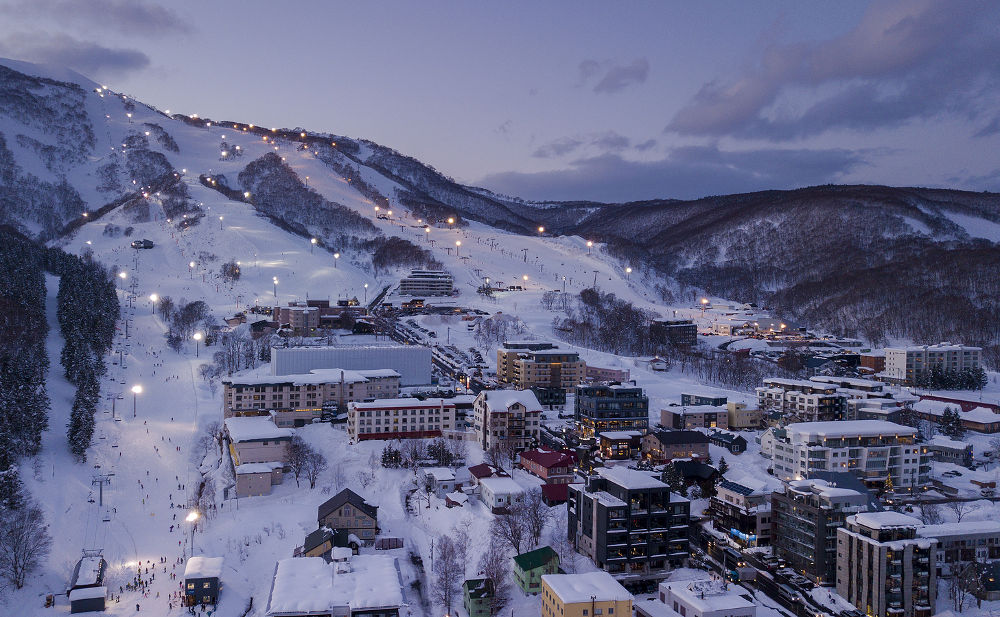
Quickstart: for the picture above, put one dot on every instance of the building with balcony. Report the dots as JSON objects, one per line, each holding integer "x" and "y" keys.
{"x": 693, "y": 399}
{"x": 664, "y": 446}
{"x": 741, "y": 509}
{"x": 400, "y": 418}
{"x": 615, "y": 407}
{"x": 805, "y": 517}
{"x": 507, "y": 416}
{"x": 427, "y": 283}
{"x": 960, "y": 544}
{"x": 909, "y": 365}
{"x": 619, "y": 445}
{"x": 629, "y": 524}
{"x": 739, "y": 416}
{"x": 872, "y": 450}
{"x": 296, "y": 400}
{"x": 678, "y": 332}
{"x": 700, "y": 416}
{"x": 884, "y": 568}
{"x": 804, "y": 401}
{"x": 532, "y": 365}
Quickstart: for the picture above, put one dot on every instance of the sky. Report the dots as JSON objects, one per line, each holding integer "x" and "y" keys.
{"x": 568, "y": 100}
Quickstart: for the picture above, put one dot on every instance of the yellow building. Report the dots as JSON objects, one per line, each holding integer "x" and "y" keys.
{"x": 584, "y": 595}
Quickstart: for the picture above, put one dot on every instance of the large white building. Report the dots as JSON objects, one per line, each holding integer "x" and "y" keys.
{"x": 873, "y": 450}
{"x": 810, "y": 401}
{"x": 400, "y": 418}
{"x": 426, "y": 283}
{"x": 698, "y": 598}
{"x": 412, "y": 362}
{"x": 909, "y": 364}
{"x": 509, "y": 416}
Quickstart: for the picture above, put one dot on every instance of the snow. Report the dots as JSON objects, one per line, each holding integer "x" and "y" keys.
{"x": 255, "y": 428}
{"x": 441, "y": 474}
{"x": 501, "y": 486}
{"x": 301, "y": 585}
{"x": 573, "y": 588}
{"x": 708, "y": 595}
{"x": 813, "y": 431}
{"x": 885, "y": 520}
{"x": 203, "y": 567}
{"x": 823, "y": 488}
{"x": 88, "y": 593}
{"x": 258, "y": 467}
{"x": 315, "y": 376}
{"x": 959, "y": 529}
{"x": 90, "y": 571}
{"x": 620, "y": 434}
{"x": 502, "y": 400}
{"x": 629, "y": 478}
{"x": 945, "y": 442}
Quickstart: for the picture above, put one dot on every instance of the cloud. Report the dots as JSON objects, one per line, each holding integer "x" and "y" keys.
{"x": 686, "y": 173}
{"x": 124, "y": 16}
{"x": 902, "y": 61}
{"x": 646, "y": 145}
{"x": 608, "y": 141}
{"x": 613, "y": 77}
{"x": 60, "y": 49}
{"x": 992, "y": 128}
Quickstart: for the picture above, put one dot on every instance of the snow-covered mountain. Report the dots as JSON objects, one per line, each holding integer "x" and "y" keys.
{"x": 878, "y": 261}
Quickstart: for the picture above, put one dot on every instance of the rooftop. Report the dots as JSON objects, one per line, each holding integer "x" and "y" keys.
{"x": 501, "y": 485}
{"x": 629, "y": 478}
{"x": 965, "y": 528}
{"x": 409, "y": 403}
{"x": 536, "y": 558}
{"x": 255, "y": 428}
{"x": 313, "y": 377}
{"x": 502, "y": 400}
{"x": 886, "y": 520}
{"x": 203, "y": 567}
{"x": 572, "y": 588}
{"x": 813, "y": 431}
{"x": 311, "y": 585}
{"x": 708, "y": 595}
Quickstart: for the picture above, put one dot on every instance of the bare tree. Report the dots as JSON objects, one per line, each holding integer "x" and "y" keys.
{"x": 449, "y": 572}
{"x": 501, "y": 455}
{"x": 930, "y": 514}
{"x": 510, "y": 529}
{"x": 339, "y": 476}
{"x": 298, "y": 452}
{"x": 460, "y": 534}
{"x": 561, "y": 543}
{"x": 24, "y": 542}
{"x": 960, "y": 508}
{"x": 315, "y": 464}
{"x": 535, "y": 513}
{"x": 494, "y": 567}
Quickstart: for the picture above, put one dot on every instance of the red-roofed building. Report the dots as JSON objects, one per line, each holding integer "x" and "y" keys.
{"x": 549, "y": 465}
{"x": 482, "y": 470}
{"x": 555, "y": 494}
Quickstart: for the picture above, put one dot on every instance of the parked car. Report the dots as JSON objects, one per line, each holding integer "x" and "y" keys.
{"x": 142, "y": 244}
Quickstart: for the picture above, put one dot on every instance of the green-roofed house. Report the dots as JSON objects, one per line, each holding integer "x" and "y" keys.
{"x": 477, "y": 595}
{"x": 529, "y": 568}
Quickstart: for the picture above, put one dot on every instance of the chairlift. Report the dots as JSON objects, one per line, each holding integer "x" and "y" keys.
{"x": 107, "y": 516}
{"x": 91, "y": 499}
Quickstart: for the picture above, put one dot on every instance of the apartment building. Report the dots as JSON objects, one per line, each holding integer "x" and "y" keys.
{"x": 741, "y": 509}
{"x": 400, "y": 418}
{"x": 507, "y": 417}
{"x": 540, "y": 365}
{"x": 664, "y": 446}
{"x": 805, "y": 517}
{"x": 584, "y": 595}
{"x": 908, "y": 365}
{"x": 884, "y": 568}
{"x": 674, "y": 332}
{"x": 552, "y": 467}
{"x": 615, "y": 407}
{"x": 873, "y": 450}
{"x": 851, "y": 383}
{"x": 689, "y": 399}
{"x": 629, "y": 524}
{"x": 959, "y": 544}
{"x": 298, "y": 399}
{"x": 739, "y": 416}
{"x": 427, "y": 283}
{"x": 701, "y": 416}
{"x": 804, "y": 401}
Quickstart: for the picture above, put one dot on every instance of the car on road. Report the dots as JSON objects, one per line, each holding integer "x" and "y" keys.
{"x": 142, "y": 244}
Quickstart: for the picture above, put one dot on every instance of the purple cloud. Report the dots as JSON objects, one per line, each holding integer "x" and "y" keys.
{"x": 59, "y": 49}
{"x": 124, "y": 16}
{"x": 614, "y": 77}
{"x": 608, "y": 141}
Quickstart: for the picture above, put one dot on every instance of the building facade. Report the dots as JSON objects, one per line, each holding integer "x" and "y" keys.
{"x": 614, "y": 407}
{"x": 884, "y": 568}
{"x": 584, "y": 595}
{"x": 664, "y": 446}
{"x": 805, "y": 517}
{"x": 427, "y": 283}
{"x": 741, "y": 509}
{"x": 552, "y": 368}
{"x": 509, "y": 417}
{"x": 298, "y": 399}
{"x": 873, "y": 450}
{"x": 412, "y": 362}
{"x": 400, "y": 418}
{"x": 699, "y": 598}
{"x": 700, "y": 416}
{"x": 629, "y": 524}
{"x": 908, "y": 365}
{"x": 674, "y": 332}
{"x": 804, "y": 401}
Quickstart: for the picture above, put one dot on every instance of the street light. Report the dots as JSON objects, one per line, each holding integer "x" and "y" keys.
{"x": 366, "y": 294}
{"x": 628, "y": 271}
{"x": 458, "y": 245}
{"x": 191, "y": 269}
{"x": 336, "y": 256}
{"x": 451, "y": 221}
{"x": 136, "y": 391}
{"x": 274, "y": 280}
{"x": 192, "y": 518}
{"x": 541, "y": 229}
{"x": 704, "y": 305}
{"x": 589, "y": 246}
{"x": 220, "y": 222}
{"x": 197, "y": 338}
{"x": 312, "y": 243}
{"x": 153, "y": 299}
{"x": 427, "y": 233}
{"x": 122, "y": 275}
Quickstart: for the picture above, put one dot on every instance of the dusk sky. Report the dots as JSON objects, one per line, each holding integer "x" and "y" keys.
{"x": 572, "y": 100}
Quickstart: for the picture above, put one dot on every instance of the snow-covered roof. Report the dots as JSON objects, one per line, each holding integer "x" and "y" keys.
{"x": 609, "y": 500}
{"x": 811, "y": 431}
{"x": 620, "y": 434}
{"x": 706, "y": 595}
{"x": 313, "y": 377}
{"x": 502, "y": 400}
{"x": 311, "y": 585}
{"x": 885, "y": 520}
{"x": 503, "y": 486}
{"x": 823, "y": 488}
{"x": 458, "y": 497}
{"x": 441, "y": 474}
{"x": 629, "y": 478}
{"x": 254, "y": 428}
{"x": 401, "y": 403}
{"x": 88, "y": 593}
{"x": 945, "y": 442}
{"x": 936, "y": 347}
{"x": 376, "y": 373}
{"x": 742, "y": 478}
{"x": 573, "y": 588}
{"x": 89, "y": 571}
{"x": 258, "y": 467}
{"x": 203, "y": 567}
{"x": 984, "y": 415}
{"x": 965, "y": 528}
